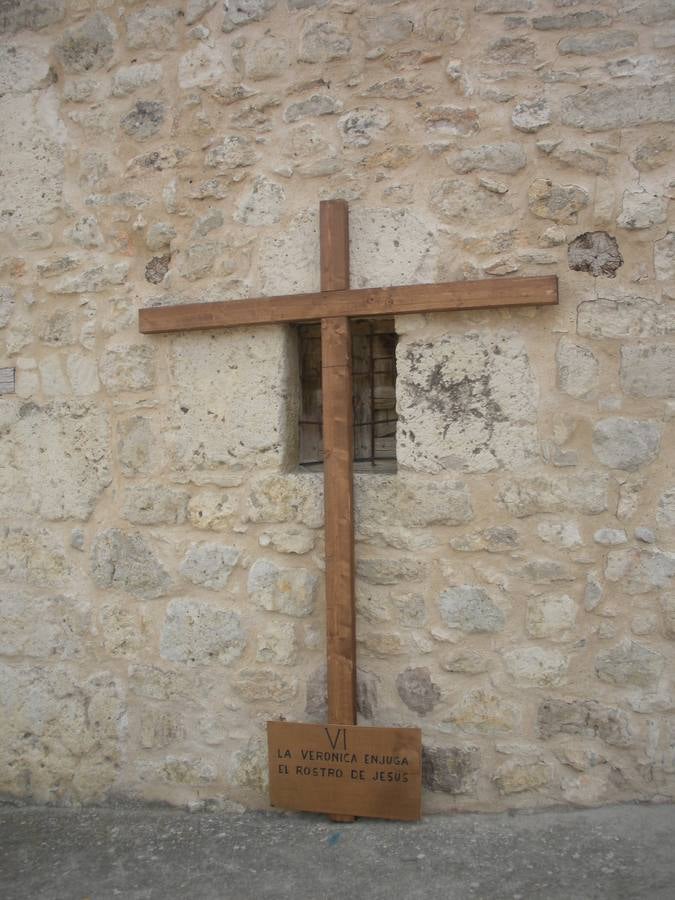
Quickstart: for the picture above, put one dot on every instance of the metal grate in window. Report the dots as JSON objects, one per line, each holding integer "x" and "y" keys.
{"x": 373, "y": 391}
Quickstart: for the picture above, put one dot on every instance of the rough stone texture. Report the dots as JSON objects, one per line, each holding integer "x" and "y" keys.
{"x": 484, "y": 385}
{"x": 125, "y": 562}
{"x": 626, "y": 443}
{"x": 154, "y": 520}
{"x": 199, "y": 633}
{"x": 417, "y": 690}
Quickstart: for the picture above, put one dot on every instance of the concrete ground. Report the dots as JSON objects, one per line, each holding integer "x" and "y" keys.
{"x": 616, "y": 852}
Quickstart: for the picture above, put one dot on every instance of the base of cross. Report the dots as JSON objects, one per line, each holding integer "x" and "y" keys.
{"x": 346, "y": 770}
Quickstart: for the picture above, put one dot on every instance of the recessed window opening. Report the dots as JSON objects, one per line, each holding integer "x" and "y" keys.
{"x": 373, "y": 395}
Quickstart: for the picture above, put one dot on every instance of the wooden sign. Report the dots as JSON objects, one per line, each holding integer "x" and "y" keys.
{"x": 346, "y": 769}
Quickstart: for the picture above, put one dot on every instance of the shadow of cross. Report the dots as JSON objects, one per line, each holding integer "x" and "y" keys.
{"x": 334, "y": 305}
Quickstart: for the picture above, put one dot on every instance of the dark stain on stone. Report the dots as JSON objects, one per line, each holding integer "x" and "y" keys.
{"x": 595, "y": 252}
{"x": 157, "y": 268}
{"x": 449, "y": 769}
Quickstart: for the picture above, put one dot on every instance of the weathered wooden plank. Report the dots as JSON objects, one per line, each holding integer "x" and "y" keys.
{"x": 346, "y": 769}
{"x": 488, "y": 293}
{"x": 338, "y": 453}
{"x": 7, "y": 380}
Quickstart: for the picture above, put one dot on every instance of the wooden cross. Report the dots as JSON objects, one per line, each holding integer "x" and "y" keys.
{"x": 334, "y": 305}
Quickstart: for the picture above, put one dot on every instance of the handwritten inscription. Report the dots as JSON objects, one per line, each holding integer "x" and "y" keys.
{"x": 350, "y": 770}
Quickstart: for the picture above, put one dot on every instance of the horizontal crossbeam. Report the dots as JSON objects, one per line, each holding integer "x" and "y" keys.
{"x": 487, "y": 293}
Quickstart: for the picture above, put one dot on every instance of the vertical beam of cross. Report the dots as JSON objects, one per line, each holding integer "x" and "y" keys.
{"x": 336, "y": 386}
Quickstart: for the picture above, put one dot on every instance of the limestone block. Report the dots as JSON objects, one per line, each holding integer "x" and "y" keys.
{"x": 212, "y": 510}
{"x": 7, "y": 300}
{"x": 99, "y": 278}
{"x": 648, "y": 370}
{"x": 138, "y": 451}
{"x": 584, "y": 492}
{"x": 391, "y": 246}
{"x": 497, "y": 539}
{"x": 124, "y": 561}
{"x": 179, "y": 770}
{"x": 499, "y": 7}
{"x": 417, "y": 690}
{"x": 195, "y": 9}
{"x": 268, "y": 57}
{"x": 597, "y": 43}
{"x": 119, "y": 630}
{"x": 507, "y": 158}
{"x": 640, "y": 209}
{"x": 292, "y": 539}
{"x": 587, "y": 19}
{"x": 466, "y": 662}
{"x": 31, "y": 179}
{"x": 159, "y": 236}
{"x": 585, "y": 718}
{"x": 24, "y": 66}
{"x": 154, "y": 504}
{"x": 515, "y": 776}
{"x": 323, "y": 41}
{"x": 262, "y": 204}
{"x": 470, "y": 609}
{"x": 144, "y": 119}
{"x": 265, "y": 684}
{"x": 482, "y": 711}
{"x": 385, "y": 29}
{"x": 88, "y": 47}
{"x": 668, "y": 609}
{"x": 383, "y": 501}
{"x": 62, "y": 733}
{"x": 577, "y": 369}
{"x": 391, "y": 571}
{"x": 452, "y": 770}
{"x": 507, "y": 51}
{"x": 128, "y": 367}
{"x": 316, "y": 105}
{"x": 626, "y": 443}
{"x": 557, "y": 202}
{"x": 289, "y": 591}
{"x": 359, "y": 127}
{"x": 43, "y": 626}
{"x": 30, "y": 14}
{"x": 640, "y": 571}
{"x": 664, "y": 257}
{"x": 231, "y": 152}
{"x": 551, "y": 616}
{"x": 32, "y": 556}
{"x": 561, "y": 534}
{"x": 665, "y": 510}
{"x": 204, "y": 66}
{"x": 536, "y": 665}
{"x": 625, "y": 317}
{"x": 451, "y": 120}
{"x": 483, "y": 384}
{"x": 605, "y": 108}
{"x": 531, "y": 115}
{"x": 287, "y": 498}
{"x": 629, "y": 663}
{"x": 199, "y": 633}
{"x": 278, "y": 645}
{"x": 209, "y": 564}
{"x": 241, "y": 12}
{"x": 58, "y": 460}
{"x": 128, "y": 79}
{"x": 85, "y": 233}
{"x": 153, "y": 27}
{"x": 610, "y": 537}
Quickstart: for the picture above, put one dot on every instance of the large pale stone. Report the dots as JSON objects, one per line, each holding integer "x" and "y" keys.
{"x": 128, "y": 367}
{"x": 640, "y": 571}
{"x": 289, "y": 591}
{"x": 62, "y": 733}
{"x": 266, "y": 685}
{"x": 386, "y": 29}
{"x": 664, "y": 257}
{"x": 604, "y": 108}
{"x": 514, "y": 777}
{"x": 231, "y": 152}
{"x": 153, "y": 27}
{"x": 322, "y": 42}
{"x": 665, "y": 511}
{"x": 91, "y": 281}
{"x": 451, "y": 770}
{"x": 203, "y": 66}
{"x": 584, "y": 718}
{"x": 209, "y": 564}
{"x": 527, "y": 496}
{"x": 287, "y": 498}
{"x": 629, "y": 663}
{"x": 7, "y": 300}
{"x": 267, "y": 58}
{"x": 531, "y": 115}
{"x": 391, "y": 246}
{"x": 138, "y": 450}
{"x": 507, "y": 158}
{"x": 557, "y": 202}
{"x": 241, "y": 12}
{"x": 483, "y": 384}
{"x": 577, "y": 369}
{"x": 128, "y": 79}
{"x": 597, "y": 42}
{"x": 648, "y": 370}
{"x": 278, "y": 645}
{"x": 536, "y": 665}
{"x": 626, "y": 443}
{"x": 89, "y": 46}
{"x": 239, "y": 415}
{"x": 640, "y": 209}
{"x": 391, "y": 571}
{"x": 23, "y": 67}
{"x": 199, "y": 633}
{"x": 668, "y": 609}
{"x": 482, "y": 711}
{"x": 470, "y": 609}
{"x": 31, "y": 14}
{"x": 212, "y": 510}
{"x": 155, "y": 504}
{"x": 56, "y": 460}
{"x": 551, "y": 616}
{"x": 43, "y": 626}
{"x": 625, "y": 317}
{"x": 388, "y": 501}
{"x": 417, "y": 690}
{"x": 360, "y": 126}
{"x": 459, "y": 203}
{"x": 33, "y": 556}
{"x": 32, "y": 172}
{"x": 125, "y": 562}
{"x": 262, "y": 204}
{"x": 119, "y": 630}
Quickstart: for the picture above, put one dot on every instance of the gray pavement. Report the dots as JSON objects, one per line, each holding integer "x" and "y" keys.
{"x": 616, "y": 852}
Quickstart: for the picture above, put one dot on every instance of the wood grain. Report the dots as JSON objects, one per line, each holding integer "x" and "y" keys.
{"x": 488, "y": 293}
{"x": 335, "y": 769}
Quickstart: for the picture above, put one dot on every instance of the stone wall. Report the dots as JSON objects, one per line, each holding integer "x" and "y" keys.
{"x": 161, "y": 557}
